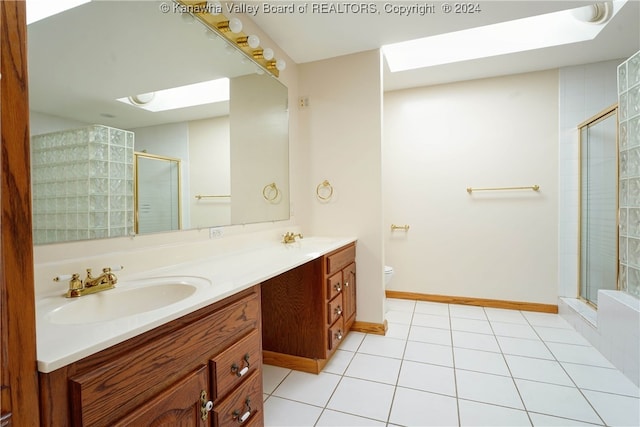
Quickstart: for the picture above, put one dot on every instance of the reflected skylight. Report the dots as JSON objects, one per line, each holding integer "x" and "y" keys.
{"x": 208, "y": 92}
{"x": 41, "y": 9}
{"x": 536, "y": 32}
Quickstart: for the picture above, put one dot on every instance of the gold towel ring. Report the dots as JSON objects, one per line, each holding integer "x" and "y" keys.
{"x": 324, "y": 184}
{"x": 274, "y": 190}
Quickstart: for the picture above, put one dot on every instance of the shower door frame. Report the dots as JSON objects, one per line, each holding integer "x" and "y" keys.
{"x": 178, "y": 163}
{"x": 601, "y": 116}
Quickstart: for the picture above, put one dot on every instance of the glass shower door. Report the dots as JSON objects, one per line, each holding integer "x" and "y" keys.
{"x": 157, "y": 193}
{"x": 598, "y": 205}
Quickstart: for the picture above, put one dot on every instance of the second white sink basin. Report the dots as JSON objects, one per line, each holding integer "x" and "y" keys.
{"x": 126, "y": 300}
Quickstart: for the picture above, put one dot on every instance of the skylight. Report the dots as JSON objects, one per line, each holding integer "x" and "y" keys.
{"x": 202, "y": 93}
{"x": 536, "y": 32}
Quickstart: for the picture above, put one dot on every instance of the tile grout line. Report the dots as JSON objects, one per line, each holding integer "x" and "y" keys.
{"x": 406, "y": 342}
{"x": 325, "y": 407}
{"x": 453, "y": 365}
{"x": 544, "y": 342}
{"x": 513, "y": 380}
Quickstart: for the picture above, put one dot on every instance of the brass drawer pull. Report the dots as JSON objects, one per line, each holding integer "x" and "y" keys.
{"x": 338, "y": 335}
{"x": 206, "y": 406}
{"x": 338, "y": 311}
{"x": 337, "y": 287}
{"x": 242, "y": 418}
{"x": 240, "y": 372}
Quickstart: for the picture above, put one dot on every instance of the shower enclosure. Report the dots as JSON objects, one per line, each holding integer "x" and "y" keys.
{"x": 157, "y": 193}
{"x": 598, "y": 205}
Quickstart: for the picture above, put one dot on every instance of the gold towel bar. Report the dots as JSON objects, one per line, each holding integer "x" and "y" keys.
{"x": 399, "y": 227}
{"x": 532, "y": 187}
{"x": 209, "y": 196}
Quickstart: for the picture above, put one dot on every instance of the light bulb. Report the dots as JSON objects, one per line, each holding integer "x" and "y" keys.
{"x": 281, "y": 64}
{"x": 267, "y": 54}
{"x": 235, "y": 25}
{"x": 253, "y": 41}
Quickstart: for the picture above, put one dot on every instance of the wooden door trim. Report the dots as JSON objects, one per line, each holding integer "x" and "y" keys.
{"x": 19, "y": 381}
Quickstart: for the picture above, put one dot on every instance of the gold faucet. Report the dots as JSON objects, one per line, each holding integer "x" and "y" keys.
{"x": 91, "y": 285}
{"x": 289, "y": 237}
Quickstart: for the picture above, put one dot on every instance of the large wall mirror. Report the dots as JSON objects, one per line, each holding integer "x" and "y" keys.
{"x": 99, "y": 79}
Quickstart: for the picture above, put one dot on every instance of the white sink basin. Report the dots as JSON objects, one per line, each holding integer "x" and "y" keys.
{"x": 127, "y": 299}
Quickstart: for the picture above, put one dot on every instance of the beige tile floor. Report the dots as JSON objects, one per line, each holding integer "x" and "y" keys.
{"x": 455, "y": 365}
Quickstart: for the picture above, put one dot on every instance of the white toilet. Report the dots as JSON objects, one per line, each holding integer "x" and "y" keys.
{"x": 388, "y": 274}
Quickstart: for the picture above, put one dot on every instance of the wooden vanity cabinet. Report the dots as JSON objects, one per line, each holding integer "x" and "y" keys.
{"x": 166, "y": 376}
{"x": 307, "y": 311}
{"x": 340, "y": 273}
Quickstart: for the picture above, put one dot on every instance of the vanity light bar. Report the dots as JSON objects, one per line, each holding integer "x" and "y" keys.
{"x": 219, "y": 24}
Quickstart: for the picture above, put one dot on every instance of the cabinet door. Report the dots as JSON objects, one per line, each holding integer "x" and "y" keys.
{"x": 349, "y": 293}
{"x": 180, "y": 405}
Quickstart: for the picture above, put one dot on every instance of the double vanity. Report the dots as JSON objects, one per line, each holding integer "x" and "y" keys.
{"x": 181, "y": 338}
{"x": 184, "y": 344}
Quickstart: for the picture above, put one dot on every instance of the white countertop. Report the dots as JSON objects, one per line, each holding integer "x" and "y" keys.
{"x": 217, "y": 277}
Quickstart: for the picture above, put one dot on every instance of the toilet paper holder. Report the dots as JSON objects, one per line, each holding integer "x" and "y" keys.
{"x": 399, "y": 227}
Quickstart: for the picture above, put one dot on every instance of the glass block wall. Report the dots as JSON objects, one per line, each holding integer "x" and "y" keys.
{"x": 82, "y": 184}
{"x": 629, "y": 164}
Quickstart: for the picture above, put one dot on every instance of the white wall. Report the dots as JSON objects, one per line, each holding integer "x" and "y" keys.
{"x": 40, "y": 123}
{"x": 341, "y": 132}
{"x": 439, "y": 140}
{"x": 210, "y": 174}
{"x": 259, "y": 144}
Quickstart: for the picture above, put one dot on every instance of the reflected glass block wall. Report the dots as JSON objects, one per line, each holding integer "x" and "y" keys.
{"x": 82, "y": 184}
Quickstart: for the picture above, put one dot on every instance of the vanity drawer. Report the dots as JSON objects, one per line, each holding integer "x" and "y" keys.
{"x": 335, "y": 309}
{"x": 235, "y": 364}
{"x": 243, "y": 406}
{"x": 336, "y": 333}
{"x": 341, "y": 259}
{"x": 334, "y": 285}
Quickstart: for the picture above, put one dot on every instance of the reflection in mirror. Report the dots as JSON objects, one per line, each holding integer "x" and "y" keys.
{"x": 157, "y": 193}
{"x": 98, "y": 71}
